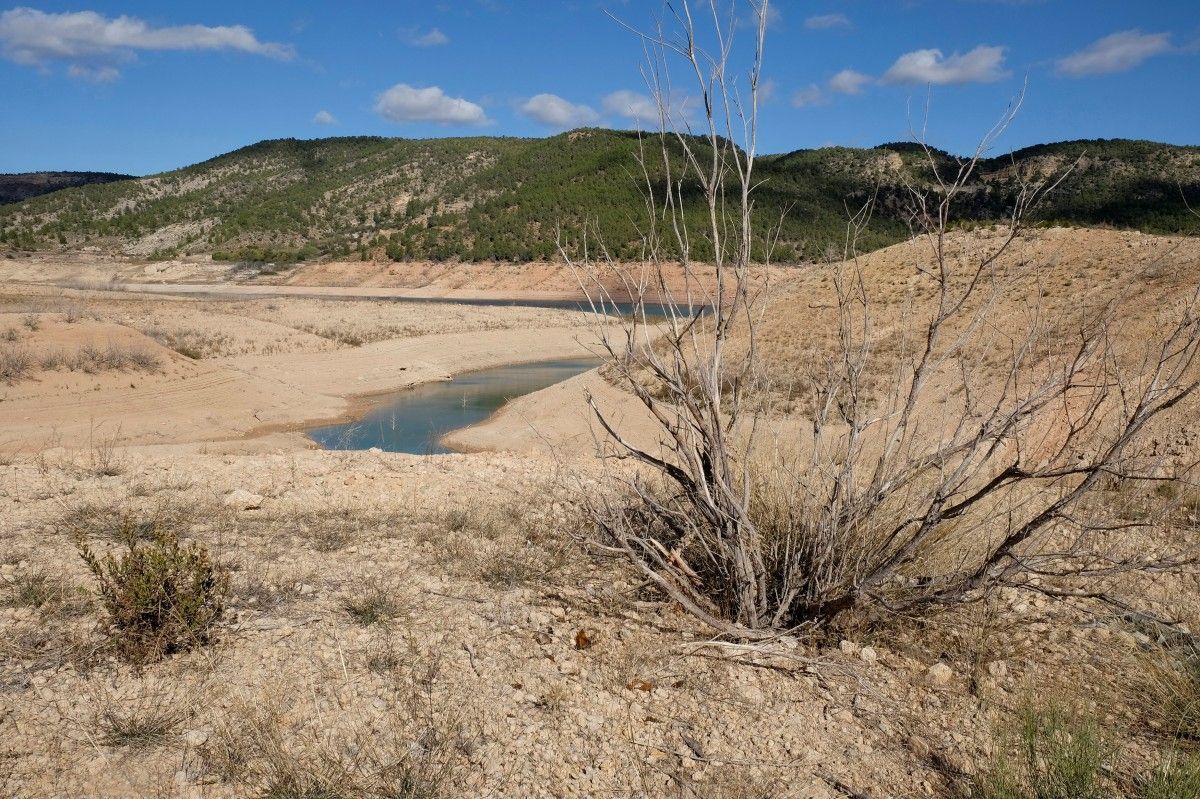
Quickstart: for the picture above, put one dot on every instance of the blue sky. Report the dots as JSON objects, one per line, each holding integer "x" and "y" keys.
{"x": 140, "y": 87}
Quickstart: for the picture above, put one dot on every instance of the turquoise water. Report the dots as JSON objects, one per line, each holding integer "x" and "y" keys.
{"x": 413, "y": 420}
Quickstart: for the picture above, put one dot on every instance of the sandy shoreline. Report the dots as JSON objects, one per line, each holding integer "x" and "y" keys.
{"x": 242, "y": 370}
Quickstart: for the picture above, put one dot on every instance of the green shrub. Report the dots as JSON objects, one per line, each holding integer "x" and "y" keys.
{"x": 161, "y": 595}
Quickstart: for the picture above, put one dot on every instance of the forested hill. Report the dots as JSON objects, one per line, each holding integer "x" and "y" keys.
{"x": 506, "y": 198}
{"x": 14, "y": 188}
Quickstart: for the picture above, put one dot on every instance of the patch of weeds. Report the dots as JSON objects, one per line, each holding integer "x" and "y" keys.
{"x": 32, "y": 321}
{"x": 11, "y": 335}
{"x": 161, "y": 595}
{"x": 1060, "y": 755}
{"x": 104, "y": 459}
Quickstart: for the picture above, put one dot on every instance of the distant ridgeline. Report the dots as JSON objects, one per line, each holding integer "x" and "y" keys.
{"x": 510, "y": 199}
{"x": 14, "y": 188}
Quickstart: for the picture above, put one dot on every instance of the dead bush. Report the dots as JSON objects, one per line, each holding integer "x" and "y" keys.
{"x": 16, "y": 364}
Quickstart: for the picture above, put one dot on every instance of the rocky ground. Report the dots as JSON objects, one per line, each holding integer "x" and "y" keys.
{"x": 377, "y": 618}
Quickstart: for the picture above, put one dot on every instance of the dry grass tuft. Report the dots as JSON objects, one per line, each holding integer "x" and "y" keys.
{"x": 376, "y": 603}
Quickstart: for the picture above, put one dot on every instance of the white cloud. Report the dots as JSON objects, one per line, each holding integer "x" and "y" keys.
{"x": 631, "y": 105}
{"x": 324, "y": 118}
{"x": 555, "y": 112}
{"x": 643, "y": 110}
{"x": 1115, "y": 53}
{"x": 823, "y": 22}
{"x": 91, "y": 45}
{"x": 848, "y": 81}
{"x": 981, "y": 65}
{"x": 809, "y": 95}
{"x": 431, "y": 38}
{"x": 404, "y": 103}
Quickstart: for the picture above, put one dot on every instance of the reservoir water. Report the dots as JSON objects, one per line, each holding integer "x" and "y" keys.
{"x": 415, "y": 419}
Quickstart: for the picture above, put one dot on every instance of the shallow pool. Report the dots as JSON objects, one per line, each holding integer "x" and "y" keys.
{"x": 415, "y": 419}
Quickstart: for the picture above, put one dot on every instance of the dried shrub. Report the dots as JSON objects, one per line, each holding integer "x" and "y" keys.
{"x": 16, "y": 364}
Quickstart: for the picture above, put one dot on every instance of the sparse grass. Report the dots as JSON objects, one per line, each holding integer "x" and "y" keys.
{"x": 104, "y": 459}
{"x": 1061, "y": 755}
{"x": 1058, "y": 756}
{"x": 254, "y": 589}
{"x": 266, "y": 754}
{"x": 1177, "y": 778}
{"x": 142, "y": 721}
{"x": 348, "y": 338}
{"x": 1170, "y": 690}
{"x": 32, "y": 321}
{"x": 161, "y": 595}
{"x": 191, "y": 342}
{"x": 504, "y": 546}
{"x": 11, "y": 335}
{"x": 375, "y": 604}
{"x": 51, "y": 596}
{"x": 336, "y": 528}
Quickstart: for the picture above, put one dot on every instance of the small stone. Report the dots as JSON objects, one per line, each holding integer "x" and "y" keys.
{"x": 241, "y": 499}
{"x": 848, "y": 647}
{"x": 939, "y": 674}
{"x": 997, "y": 669}
{"x": 868, "y": 654}
{"x": 196, "y": 737}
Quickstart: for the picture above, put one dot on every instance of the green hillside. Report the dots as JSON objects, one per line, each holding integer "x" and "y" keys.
{"x": 492, "y": 198}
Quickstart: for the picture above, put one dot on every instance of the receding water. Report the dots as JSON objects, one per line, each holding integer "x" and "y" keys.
{"x": 415, "y": 419}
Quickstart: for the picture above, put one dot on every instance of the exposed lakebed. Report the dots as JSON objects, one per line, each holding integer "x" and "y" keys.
{"x": 414, "y": 420}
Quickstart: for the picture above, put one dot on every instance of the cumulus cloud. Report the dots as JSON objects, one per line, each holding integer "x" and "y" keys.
{"x": 324, "y": 118}
{"x": 981, "y": 65}
{"x": 823, "y": 22}
{"x": 555, "y": 112}
{"x": 642, "y": 110}
{"x": 848, "y": 81}
{"x": 809, "y": 95}
{"x": 404, "y": 103}
{"x": 431, "y": 38}
{"x": 631, "y": 105}
{"x": 1117, "y": 52}
{"x": 92, "y": 45}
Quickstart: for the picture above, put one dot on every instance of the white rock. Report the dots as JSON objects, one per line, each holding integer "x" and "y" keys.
{"x": 242, "y": 499}
{"x": 998, "y": 669}
{"x": 196, "y": 737}
{"x": 868, "y": 654}
{"x": 848, "y": 647}
{"x": 939, "y": 673}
